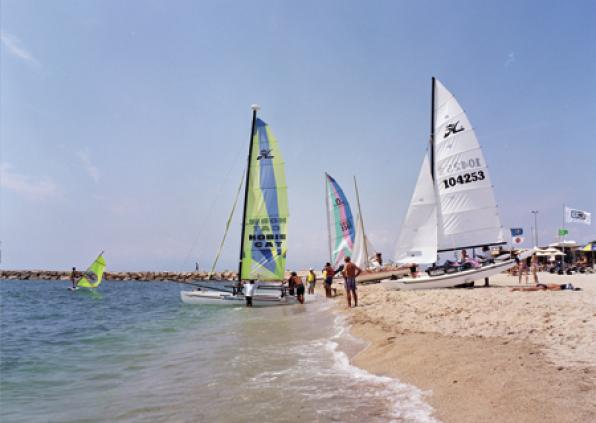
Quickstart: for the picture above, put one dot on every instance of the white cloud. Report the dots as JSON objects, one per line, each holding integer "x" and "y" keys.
{"x": 24, "y": 185}
{"x": 510, "y": 59}
{"x": 15, "y": 47}
{"x": 89, "y": 167}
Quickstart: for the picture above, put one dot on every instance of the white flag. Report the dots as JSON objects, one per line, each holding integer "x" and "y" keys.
{"x": 516, "y": 240}
{"x": 577, "y": 216}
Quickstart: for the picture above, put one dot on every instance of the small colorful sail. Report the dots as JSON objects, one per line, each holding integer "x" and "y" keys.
{"x": 339, "y": 221}
{"x": 94, "y": 274}
{"x": 264, "y": 243}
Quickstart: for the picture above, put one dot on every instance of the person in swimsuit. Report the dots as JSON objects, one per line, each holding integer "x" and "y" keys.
{"x": 549, "y": 287}
{"x": 297, "y": 283}
{"x": 350, "y": 272}
{"x": 328, "y": 271}
{"x": 534, "y": 268}
{"x": 522, "y": 268}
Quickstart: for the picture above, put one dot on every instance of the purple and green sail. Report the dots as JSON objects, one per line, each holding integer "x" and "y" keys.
{"x": 340, "y": 222}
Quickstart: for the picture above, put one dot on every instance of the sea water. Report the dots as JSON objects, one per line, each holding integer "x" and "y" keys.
{"x": 132, "y": 352}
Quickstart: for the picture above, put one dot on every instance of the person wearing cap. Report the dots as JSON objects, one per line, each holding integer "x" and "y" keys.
{"x": 311, "y": 278}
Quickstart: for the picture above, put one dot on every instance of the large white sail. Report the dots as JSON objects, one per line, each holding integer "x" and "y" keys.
{"x": 417, "y": 241}
{"x": 361, "y": 246}
{"x": 468, "y": 214}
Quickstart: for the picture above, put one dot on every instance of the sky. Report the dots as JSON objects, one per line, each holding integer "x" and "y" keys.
{"x": 124, "y": 126}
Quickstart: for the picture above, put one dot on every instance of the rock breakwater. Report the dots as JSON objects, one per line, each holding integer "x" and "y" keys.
{"x": 64, "y": 275}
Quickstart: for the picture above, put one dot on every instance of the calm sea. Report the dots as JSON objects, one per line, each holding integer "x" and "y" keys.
{"x": 132, "y": 352}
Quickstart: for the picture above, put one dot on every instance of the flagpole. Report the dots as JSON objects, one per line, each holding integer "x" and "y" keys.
{"x": 563, "y": 241}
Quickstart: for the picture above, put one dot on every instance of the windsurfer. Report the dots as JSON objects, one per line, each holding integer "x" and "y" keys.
{"x": 350, "y": 272}
{"x": 73, "y": 277}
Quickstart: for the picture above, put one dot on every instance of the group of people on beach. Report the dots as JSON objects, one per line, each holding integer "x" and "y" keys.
{"x": 296, "y": 287}
{"x": 349, "y": 271}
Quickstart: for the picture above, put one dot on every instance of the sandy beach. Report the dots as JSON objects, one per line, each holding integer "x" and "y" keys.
{"x": 487, "y": 354}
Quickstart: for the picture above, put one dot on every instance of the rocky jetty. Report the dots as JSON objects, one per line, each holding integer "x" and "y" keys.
{"x": 64, "y": 275}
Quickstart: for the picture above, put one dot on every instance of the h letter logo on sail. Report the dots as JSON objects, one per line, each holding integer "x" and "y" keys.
{"x": 265, "y": 154}
{"x": 452, "y": 129}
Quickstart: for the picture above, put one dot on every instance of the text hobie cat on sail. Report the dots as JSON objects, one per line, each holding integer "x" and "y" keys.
{"x": 263, "y": 241}
{"x": 453, "y": 205}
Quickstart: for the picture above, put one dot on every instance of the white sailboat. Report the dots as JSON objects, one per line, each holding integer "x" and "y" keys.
{"x": 263, "y": 241}
{"x": 453, "y": 205}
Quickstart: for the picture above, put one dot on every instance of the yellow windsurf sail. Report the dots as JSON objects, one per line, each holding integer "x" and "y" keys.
{"x": 94, "y": 273}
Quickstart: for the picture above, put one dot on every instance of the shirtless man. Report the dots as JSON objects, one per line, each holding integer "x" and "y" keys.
{"x": 350, "y": 272}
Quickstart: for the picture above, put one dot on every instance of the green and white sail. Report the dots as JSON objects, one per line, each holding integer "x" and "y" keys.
{"x": 264, "y": 244}
{"x": 94, "y": 274}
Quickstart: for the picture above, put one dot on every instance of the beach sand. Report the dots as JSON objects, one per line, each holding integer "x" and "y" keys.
{"x": 487, "y": 354}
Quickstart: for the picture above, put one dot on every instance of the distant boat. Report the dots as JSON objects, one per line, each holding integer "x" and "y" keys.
{"x": 93, "y": 276}
{"x": 263, "y": 242}
{"x": 348, "y": 238}
{"x": 453, "y": 206}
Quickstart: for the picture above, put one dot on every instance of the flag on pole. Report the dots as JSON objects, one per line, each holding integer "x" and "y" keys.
{"x": 577, "y": 216}
{"x": 563, "y": 232}
{"x": 516, "y": 231}
{"x": 516, "y": 240}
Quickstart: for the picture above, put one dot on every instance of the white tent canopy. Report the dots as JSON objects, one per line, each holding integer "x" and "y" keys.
{"x": 550, "y": 251}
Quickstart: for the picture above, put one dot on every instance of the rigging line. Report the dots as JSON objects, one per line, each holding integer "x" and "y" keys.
{"x": 211, "y": 208}
{"x": 227, "y": 225}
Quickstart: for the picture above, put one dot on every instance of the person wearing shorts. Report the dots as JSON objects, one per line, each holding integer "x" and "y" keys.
{"x": 350, "y": 272}
{"x": 328, "y": 271}
{"x": 297, "y": 282}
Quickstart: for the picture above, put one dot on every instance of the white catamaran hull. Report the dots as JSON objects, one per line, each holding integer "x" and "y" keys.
{"x": 216, "y": 298}
{"x": 379, "y": 275}
{"x": 453, "y": 279}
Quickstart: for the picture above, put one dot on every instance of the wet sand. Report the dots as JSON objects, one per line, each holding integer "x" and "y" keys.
{"x": 487, "y": 354}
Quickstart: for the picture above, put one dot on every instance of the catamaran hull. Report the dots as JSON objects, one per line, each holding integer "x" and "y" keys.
{"x": 374, "y": 276}
{"x": 205, "y": 297}
{"x": 452, "y": 279}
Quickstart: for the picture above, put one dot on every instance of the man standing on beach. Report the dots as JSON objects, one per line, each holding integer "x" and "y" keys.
{"x": 350, "y": 272}
{"x": 329, "y": 272}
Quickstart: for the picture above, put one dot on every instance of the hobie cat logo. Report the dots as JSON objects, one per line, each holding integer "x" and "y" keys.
{"x": 265, "y": 154}
{"x": 452, "y": 129}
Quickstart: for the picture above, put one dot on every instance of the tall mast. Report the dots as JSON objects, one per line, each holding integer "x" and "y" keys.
{"x": 432, "y": 130}
{"x": 255, "y": 108}
{"x": 328, "y": 221}
{"x": 361, "y": 221}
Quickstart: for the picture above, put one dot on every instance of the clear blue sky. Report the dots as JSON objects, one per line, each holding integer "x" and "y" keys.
{"x": 125, "y": 125}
